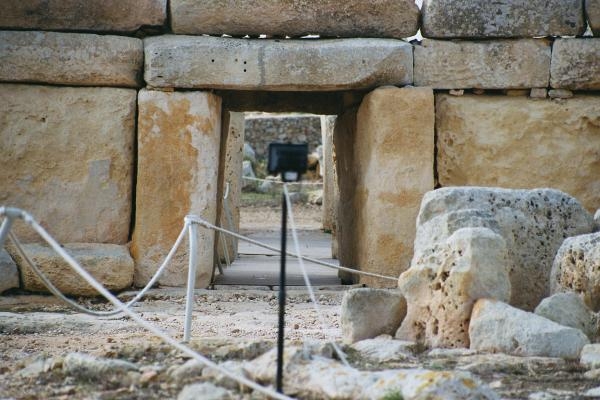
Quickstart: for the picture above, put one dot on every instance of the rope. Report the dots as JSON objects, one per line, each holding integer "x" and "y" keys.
{"x": 280, "y": 182}
{"x": 146, "y": 325}
{"x": 309, "y": 287}
{"x": 206, "y": 224}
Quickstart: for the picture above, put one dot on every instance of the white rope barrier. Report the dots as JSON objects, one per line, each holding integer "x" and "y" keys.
{"x": 303, "y": 183}
{"x": 309, "y": 287}
{"x": 28, "y": 219}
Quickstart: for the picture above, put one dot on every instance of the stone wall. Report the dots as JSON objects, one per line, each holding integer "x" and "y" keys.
{"x": 112, "y": 125}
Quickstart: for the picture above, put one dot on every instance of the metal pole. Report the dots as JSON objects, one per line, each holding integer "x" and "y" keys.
{"x": 280, "y": 338}
{"x": 193, "y": 239}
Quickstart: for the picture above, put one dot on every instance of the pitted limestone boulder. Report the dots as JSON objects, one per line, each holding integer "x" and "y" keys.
{"x": 445, "y": 280}
{"x": 576, "y": 64}
{"x": 493, "y": 64}
{"x": 328, "y": 18}
{"x": 502, "y": 18}
{"x": 83, "y": 15}
{"x": 296, "y": 65}
{"x": 92, "y": 60}
{"x": 568, "y": 309}
{"x": 533, "y": 223}
{"x": 576, "y": 268}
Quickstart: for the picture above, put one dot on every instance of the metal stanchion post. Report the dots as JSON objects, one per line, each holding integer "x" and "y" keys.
{"x": 281, "y": 331}
{"x": 191, "y": 284}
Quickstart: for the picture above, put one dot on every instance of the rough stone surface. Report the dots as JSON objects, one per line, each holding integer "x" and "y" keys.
{"x": 575, "y": 269}
{"x": 242, "y": 64}
{"x": 592, "y": 12}
{"x": 85, "y": 366}
{"x": 384, "y": 165}
{"x": 70, "y": 59}
{"x": 384, "y": 349}
{"x": 204, "y": 391}
{"x": 178, "y": 157}
{"x": 379, "y": 18}
{"x": 533, "y": 223}
{"x": 498, "y": 327}
{"x": 444, "y": 282}
{"x": 517, "y": 142}
{"x": 576, "y": 64}
{"x": 568, "y": 309}
{"x": 191, "y": 369}
{"x": 9, "y": 273}
{"x": 590, "y": 356}
{"x": 230, "y": 176}
{"x": 83, "y": 15}
{"x": 504, "y": 18}
{"x": 495, "y": 64}
{"x": 67, "y": 158}
{"x": 367, "y": 313}
{"x": 327, "y": 163}
{"x": 110, "y": 264}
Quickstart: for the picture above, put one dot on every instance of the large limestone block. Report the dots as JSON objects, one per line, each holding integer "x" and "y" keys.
{"x": 575, "y": 269}
{"x": 354, "y": 18}
{"x": 592, "y": 12}
{"x": 110, "y": 264}
{"x": 568, "y": 309}
{"x": 67, "y": 158}
{"x": 385, "y": 166}
{"x": 230, "y": 173}
{"x": 226, "y": 63}
{"x": 9, "y": 273}
{"x": 517, "y": 142}
{"x": 498, "y": 327}
{"x": 330, "y": 186}
{"x": 576, "y": 64}
{"x": 502, "y": 18}
{"x": 441, "y": 286}
{"x": 178, "y": 160}
{"x": 496, "y": 64}
{"x": 70, "y": 59}
{"x": 533, "y": 223}
{"x": 83, "y": 15}
{"x": 367, "y": 313}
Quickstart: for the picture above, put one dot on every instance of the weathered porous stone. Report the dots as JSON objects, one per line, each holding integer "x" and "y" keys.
{"x": 330, "y": 186}
{"x": 178, "y": 159}
{"x": 560, "y": 94}
{"x": 70, "y": 59}
{"x": 444, "y": 282}
{"x": 576, "y": 64}
{"x": 517, "y": 142}
{"x": 96, "y": 369}
{"x": 592, "y": 12}
{"x": 83, "y": 15}
{"x": 67, "y": 158}
{"x": 191, "y": 369}
{"x": 498, "y": 327}
{"x": 495, "y": 64}
{"x": 385, "y": 349}
{"x": 568, "y": 309}
{"x": 233, "y": 366}
{"x": 538, "y": 93}
{"x": 110, "y": 264}
{"x": 242, "y": 64}
{"x": 9, "y": 273}
{"x": 204, "y": 391}
{"x": 355, "y": 18}
{"x": 504, "y": 18}
{"x": 384, "y": 163}
{"x": 533, "y": 223}
{"x": 590, "y": 356}
{"x": 575, "y": 269}
{"x": 367, "y": 313}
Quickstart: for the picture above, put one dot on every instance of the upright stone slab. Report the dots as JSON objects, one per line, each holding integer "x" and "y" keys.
{"x": 230, "y": 173}
{"x": 385, "y": 166}
{"x": 83, "y": 15}
{"x": 67, "y": 158}
{"x": 501, "y": 19}
{"x": 495, "y": 64}
{"x": 178, "y": 160}
{"x": 516, "y": 142}
{"x": 592, "y": 12}
{"x": 330, "y": 189}
{"x": 576, "y": 64}
{"x": 70, "y": 59}
{"x": 352, "y": 18}
{"x": 300, "y": 65}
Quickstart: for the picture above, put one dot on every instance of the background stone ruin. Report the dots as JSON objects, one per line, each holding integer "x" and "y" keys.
{"x": 118, "y": 118}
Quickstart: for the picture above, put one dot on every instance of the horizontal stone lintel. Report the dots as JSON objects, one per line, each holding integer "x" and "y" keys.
{"x": 264, "y": 64}
{"x": 493, "y": 64}
{"x": 70, "y": 59}
{"x": 576, "y": 64}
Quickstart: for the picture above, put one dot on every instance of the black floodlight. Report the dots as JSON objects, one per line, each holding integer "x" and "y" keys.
{"x": 289, "y": 159}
